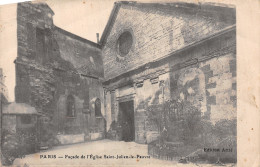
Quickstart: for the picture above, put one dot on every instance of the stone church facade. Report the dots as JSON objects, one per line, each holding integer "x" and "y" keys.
{"x": 189, "y": 48}
{"x": 148, "y": 54}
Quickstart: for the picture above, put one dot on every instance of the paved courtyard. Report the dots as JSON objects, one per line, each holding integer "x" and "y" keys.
{"x": 97, "y": 153}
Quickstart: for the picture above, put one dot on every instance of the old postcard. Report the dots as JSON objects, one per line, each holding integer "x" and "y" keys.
{"x": 130, "y": 83}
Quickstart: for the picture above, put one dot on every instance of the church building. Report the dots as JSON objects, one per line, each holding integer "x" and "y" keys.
{"x": 156, "y": 52}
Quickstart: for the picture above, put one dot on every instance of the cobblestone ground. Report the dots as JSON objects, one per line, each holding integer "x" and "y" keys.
{"x": 70, "y": 155}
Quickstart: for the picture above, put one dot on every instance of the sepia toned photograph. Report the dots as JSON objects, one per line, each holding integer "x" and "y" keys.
{"x": 118, "y": 83}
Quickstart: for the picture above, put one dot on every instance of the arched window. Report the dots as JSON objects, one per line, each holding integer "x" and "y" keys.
{"x": 71, "y": 106}
{"x": 98, "y": 108}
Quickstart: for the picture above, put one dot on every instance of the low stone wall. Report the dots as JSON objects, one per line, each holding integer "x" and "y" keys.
{"x": 96, "y": 136}
{"x": 70, "y": 139}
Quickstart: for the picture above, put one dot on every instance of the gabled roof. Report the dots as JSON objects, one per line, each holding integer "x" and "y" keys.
{"x": 69, "y": 34}
{"x": 110, "y": 22}
{"x": 207, "y": 7}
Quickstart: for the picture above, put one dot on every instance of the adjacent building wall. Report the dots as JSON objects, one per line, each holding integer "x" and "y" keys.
{"x": 57, "y": 72}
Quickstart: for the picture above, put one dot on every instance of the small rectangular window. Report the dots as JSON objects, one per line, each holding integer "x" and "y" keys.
{"x": 26, "y": 119}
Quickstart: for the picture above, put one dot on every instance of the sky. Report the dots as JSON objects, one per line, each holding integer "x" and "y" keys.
{"x": 84, "y": 18}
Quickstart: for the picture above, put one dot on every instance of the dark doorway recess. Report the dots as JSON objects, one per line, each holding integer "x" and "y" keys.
{"x": 127, "y": 120}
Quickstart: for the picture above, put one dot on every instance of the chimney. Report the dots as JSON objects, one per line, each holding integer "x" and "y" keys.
{"x": 97, "y": 37}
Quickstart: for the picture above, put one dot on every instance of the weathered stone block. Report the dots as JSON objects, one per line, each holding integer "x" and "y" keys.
{"x": 208, "y": 75}
{"x": 211, "y": 85}
{"x": 232, "y": 64}
{"x": 223, "y": 98}
{"x": 211, "y": 100}
{"x": 234, "y": 86}
{"x": 219, "y": 112}
{"x": 205, "y": 68}
{"x": 234, "y": 100}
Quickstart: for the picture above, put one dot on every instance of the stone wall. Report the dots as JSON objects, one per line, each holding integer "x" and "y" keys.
{"x": 158, "y": 30}
{"x": 54, "y": 65}
{"x": 181, "y": 52}
{"x": 206, "y": 77}
{"x": 203, "y": 75}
